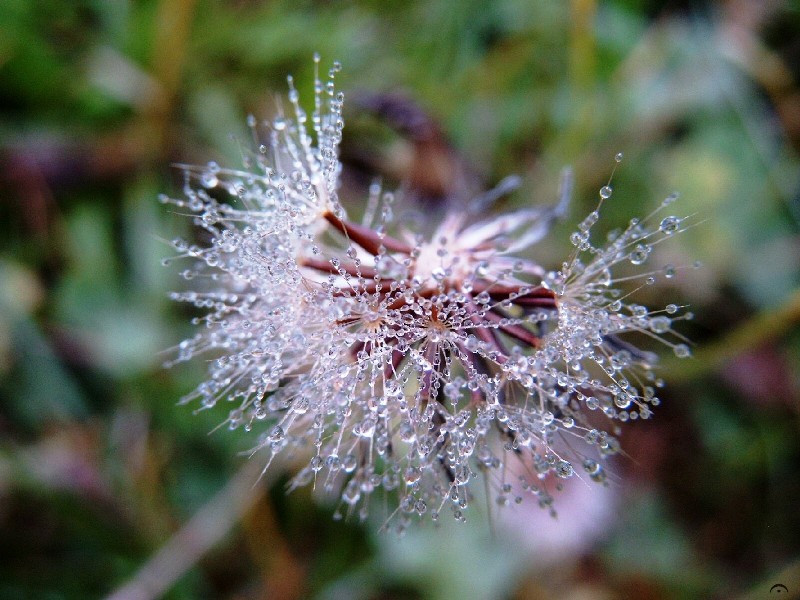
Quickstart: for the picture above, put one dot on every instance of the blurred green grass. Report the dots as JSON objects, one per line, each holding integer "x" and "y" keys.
{"x": 99, "y": 467}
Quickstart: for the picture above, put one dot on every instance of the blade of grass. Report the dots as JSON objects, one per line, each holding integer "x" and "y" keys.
{"x": 203, "y": 531}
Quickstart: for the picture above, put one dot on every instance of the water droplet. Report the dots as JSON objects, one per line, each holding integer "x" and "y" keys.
{"x": 209, "y": 179}
{"x": 595, "y": 470}
{"x": 682, "y": 351}
{"x": 366, "y": 428}
{"x": 349, "y": 463}
{"x": 622, "y": 400}
{"x": 564, "y": 469}
{"x": 300, "y": 406}
{"x": 660, "y": 324}
{"x": 589, "y": 221}
{"x": 352, "y": 492}
{"x": 669, "y": 225}
{"x": 639, "y": 254}
{"x": 276, "y": 435}
{"x": 412, "y": 475}
{"x": 605, "y": 192}
{"x": 618, "y": 157}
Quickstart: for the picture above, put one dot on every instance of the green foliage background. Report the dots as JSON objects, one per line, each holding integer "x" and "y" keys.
{"x": 99, "y": 467}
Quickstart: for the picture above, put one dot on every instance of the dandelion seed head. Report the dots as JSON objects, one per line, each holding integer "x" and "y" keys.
{"x": 386, "y": 363}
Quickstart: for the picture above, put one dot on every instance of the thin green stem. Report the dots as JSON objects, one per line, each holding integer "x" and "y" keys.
{"x": 761, "y": 328}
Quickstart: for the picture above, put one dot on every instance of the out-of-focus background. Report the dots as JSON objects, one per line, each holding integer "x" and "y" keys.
{"x": 106, "y": 482}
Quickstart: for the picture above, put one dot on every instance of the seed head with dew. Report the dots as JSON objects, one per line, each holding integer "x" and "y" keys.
{"x": 407, "y": 366}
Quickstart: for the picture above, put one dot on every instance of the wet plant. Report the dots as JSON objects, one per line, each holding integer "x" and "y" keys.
{"x": 386, "y": 361}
